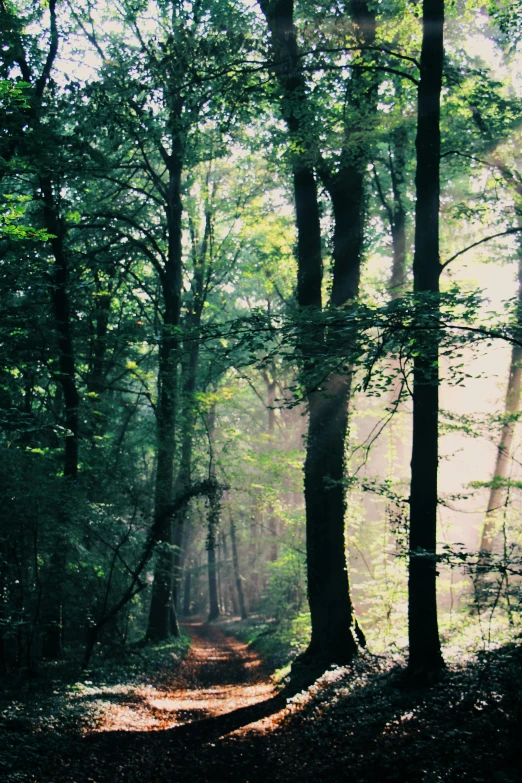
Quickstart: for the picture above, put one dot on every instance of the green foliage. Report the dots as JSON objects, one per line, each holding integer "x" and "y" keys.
{"x": 11, "y": 212}
{"x": 507, "y": 15}
{"x": 285, "y": 592}
{"x": 278, "y": 643}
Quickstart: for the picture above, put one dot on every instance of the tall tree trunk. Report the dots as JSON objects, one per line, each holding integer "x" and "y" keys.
{"x": 190, "y": 381}
{"x": 397, "y": 215}
{"x": 273, "y": 521}
{"x": 159, "y": 624}
{"x": 395, "y": 208}
{"x": 189, "y": 370}
{"x": 333, "y": 639}
{"x": 52, "y": 643}
{"x": 100, "y": 326}
{"x": 511, "y": 409}
{"x": 162, "y": 618}
{"x": 397, "y": 164}
{"x": 187, "y": 585}
{"x": 213, "y": 519}
{"x": 233, "y": 600}
{"x": 253, "y": 591}
{"x": 331, "y": 609}
{"x": 425, "y": 658}
{"x": 225, "y": 580}
{"x": 96, "y": 375}
{"x": 237, "y": 572}
{"x": 66, "y": 375}
{"x": 214, "y": 514}
{"x": 328, "y": 589}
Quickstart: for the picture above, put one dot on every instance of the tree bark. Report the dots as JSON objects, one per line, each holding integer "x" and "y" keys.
{"x": 52, "y": 642}
{"x": 503, "y": 460}
{"x": 187, "y": 584}
{"x": 395, "y": 208}
{"x": 214, "y": 514}
{"x": 190, "y": 381}
{"x": 237, "y": 572}
{"x": 397, "y": 164}
{"x": 331, "y": 609}
{"x": 189, "y": 369}
{"x": 213, "y": 519}
{"x": 66, "y": 375}
{"x": 425, "y": 659}
{"x": 273, "y": 521}
{"x": 162, "y": 618}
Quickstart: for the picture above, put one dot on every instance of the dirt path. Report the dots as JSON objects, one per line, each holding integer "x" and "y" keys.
{"x": 219, "y": 675}
{"x": 216, "y": 719}
{"x": 189, "y": 726}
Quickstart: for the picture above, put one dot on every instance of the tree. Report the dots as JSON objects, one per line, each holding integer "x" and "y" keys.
{"x": 425, "y": 658}
{"x": 165, "y": 126}
{"x": 328, "y": 589}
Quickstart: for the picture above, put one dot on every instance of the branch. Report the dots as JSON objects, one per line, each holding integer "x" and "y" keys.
{"x": 468, "y": 157}
{"x": 480, "y": 242}
{"x": 51, "y": 54}
{"x": 247, "y": 379}
{"x": 208, "y": 488}
{"x": 137, "y": 227}
{"x": 382, "y": 197}
{"x": 137, "y": 242}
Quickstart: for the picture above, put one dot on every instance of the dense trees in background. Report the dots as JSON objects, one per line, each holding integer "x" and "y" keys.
{"x": 208, "y": 212}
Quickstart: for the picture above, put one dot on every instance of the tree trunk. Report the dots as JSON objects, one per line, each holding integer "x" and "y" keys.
{"x": 189, "y": 369}
{"x": 328, "y": 588}
{"x": 425, "y": 658}
{"x": 331, "y": 608}
{"x": 66, "y": 375}
{"x": 212, "y": 571}
{"x": 237, "y": 572}
{"x": 187, "y": 584}
{"x": 396, "y": 210}
{"x": 214, "y": 514}
{"x": 52, "y": 613}
{"x": 398, "y": 233}
{"x": 229, "y": 576}
{"x": 159, "y": 624}
{"x": 503, "y": 460}
{"x": 273, "y": 521}
{"x": 190, "y": 380}
{"x": 397, "y": 164}
{"x": 162, "y": 618}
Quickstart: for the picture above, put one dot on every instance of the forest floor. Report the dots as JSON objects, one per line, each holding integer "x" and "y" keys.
{"x": 216, "y": 716}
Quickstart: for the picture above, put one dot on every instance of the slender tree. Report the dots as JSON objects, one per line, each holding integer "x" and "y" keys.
{"x": 425, "y": 658}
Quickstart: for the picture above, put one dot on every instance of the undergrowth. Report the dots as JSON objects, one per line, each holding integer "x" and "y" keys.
{"x": 465, "y": 728}
{"x": 278, "y": 642}
{"x": 40, "y": 715}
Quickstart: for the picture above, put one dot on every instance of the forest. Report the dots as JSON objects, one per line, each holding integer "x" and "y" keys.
{"x": 260, "y": 379}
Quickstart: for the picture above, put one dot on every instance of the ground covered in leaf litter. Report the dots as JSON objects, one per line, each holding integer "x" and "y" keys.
{"x": 217, "y": 717}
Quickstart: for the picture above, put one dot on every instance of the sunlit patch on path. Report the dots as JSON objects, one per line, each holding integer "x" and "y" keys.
{"x": 219, "y": 675}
